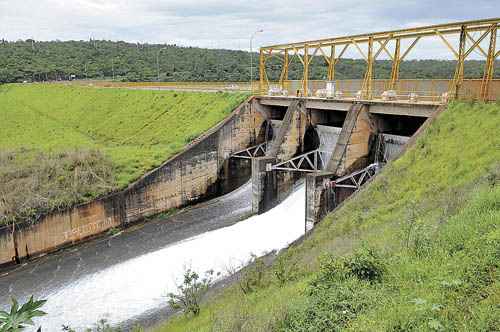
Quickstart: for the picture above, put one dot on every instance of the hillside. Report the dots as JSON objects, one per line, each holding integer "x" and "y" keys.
{"x": 418, "y": 249}
{"x": 99, "y": 59}
{"x": 69, "y": 144}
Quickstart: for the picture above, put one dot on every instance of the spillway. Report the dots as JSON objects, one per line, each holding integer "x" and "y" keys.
{"x": 135, "y": 285}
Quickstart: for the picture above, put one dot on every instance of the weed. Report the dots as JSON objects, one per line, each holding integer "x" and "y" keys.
{"x": 253, "y": 274}
{"x": 285, "y": 270}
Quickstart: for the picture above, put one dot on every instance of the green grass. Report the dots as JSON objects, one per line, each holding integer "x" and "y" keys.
{"x": 137, "y": 129}
{"x": 428, "y": 225}
{"x": 61, "y": 144}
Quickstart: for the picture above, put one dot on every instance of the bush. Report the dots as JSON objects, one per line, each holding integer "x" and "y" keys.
{"x": 284, "y": 270}
{"x": 190, "y": 292}
{"x": 251, "y": 278}
{"x": 330, "y": 306}
{"x": 365, "y": 264}
{"x": 342, "y": 289}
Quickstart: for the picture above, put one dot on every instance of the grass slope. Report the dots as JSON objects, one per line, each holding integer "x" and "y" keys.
{"x": 124, "y": 133}
{"x": 136, "y": 129}
{"x": 417, "y": 250}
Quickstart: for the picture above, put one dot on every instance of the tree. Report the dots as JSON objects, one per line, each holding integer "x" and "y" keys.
{"x": 100, "y": 58}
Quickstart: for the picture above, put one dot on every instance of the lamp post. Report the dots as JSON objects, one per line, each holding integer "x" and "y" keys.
{"x": 158, "y": 63}
{"x": 251, "y": 57}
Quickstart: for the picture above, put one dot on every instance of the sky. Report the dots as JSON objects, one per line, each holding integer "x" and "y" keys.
{"x": 229, "y": 23}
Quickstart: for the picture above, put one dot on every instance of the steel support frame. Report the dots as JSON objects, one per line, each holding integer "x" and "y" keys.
{"x": 251, "y": 152}
{"x": 491, "y": 56}
{"x": 313, "y": 159}
{"x": 356, "y": 179}
{"x": 462, "y": 29}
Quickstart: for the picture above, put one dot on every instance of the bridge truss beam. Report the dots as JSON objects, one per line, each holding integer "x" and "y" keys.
{"x": 356, "y": 179}
{"x": 376, "y": 43}
{"x": 312, "y": 161}
{"x": 258, "y": 150}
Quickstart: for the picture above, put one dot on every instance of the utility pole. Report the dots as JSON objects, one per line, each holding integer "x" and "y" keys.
{"x": 251, "y": 58}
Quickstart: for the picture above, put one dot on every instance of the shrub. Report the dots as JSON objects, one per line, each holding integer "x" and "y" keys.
{"x": 365, "y": 264}
{"x": 251, "y": 278}
{"x": 330, "y": 306}
{"x": 190, "y": 292}
{"x": 284, "y": 270}
{"x": 341, "y": 290}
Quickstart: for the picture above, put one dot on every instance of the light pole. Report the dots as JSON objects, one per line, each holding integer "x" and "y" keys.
{"x": 251, "y": 57}
{"x": 158, "y": 63}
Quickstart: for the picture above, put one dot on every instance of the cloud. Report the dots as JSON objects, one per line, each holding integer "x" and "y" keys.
{"x": 224, "y": 23}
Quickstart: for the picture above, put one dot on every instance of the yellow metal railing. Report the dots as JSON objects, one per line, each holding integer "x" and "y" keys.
{"x": 370, "y": 46}
{"x": 405, "y": 89}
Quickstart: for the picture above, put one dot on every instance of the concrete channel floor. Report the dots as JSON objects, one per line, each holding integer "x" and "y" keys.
{"x": 45, "y": 275}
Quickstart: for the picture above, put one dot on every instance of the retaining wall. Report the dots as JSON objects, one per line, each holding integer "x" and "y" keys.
{"x": 203, "y": 170}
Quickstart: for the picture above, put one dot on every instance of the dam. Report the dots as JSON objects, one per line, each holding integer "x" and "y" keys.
{"x": 280, "y": 198}
{"x": 255, "y": 183}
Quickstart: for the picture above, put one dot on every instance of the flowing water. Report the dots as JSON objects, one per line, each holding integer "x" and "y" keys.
{"x": 126, "y": 278}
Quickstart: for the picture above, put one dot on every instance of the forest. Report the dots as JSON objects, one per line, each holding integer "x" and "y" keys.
{"x": 34, "y": 61}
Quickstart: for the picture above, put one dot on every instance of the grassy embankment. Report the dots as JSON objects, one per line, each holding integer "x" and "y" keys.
{"x": 67, "y": 144}
{"x": 417, "y": 250}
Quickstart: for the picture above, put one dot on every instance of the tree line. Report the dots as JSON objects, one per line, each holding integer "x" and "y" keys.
{"x": 33, "y": 61}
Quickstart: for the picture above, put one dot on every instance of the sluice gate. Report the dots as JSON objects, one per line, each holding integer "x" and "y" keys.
{"x": 337, "y": 146}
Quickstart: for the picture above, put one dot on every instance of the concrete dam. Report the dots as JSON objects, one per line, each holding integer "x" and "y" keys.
{"x": 335, "y": 133}
{"x": 274, "y": 141}
{"x": 286, "y": 161}
{"x": 253, "y": 184}
{"x": 335, "y": 145}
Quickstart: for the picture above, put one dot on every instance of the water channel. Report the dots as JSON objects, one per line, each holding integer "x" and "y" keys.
{"x": 125, "y": 278}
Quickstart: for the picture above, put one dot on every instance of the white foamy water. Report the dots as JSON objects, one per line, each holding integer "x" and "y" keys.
{"x": 131, "y": 288}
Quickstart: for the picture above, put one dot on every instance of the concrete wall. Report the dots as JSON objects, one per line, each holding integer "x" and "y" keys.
{"x": 201, "y": 171}
{"x": 269, "y": 188}
{"x": 321, "y": 199}
{"x": 354, "y": 142}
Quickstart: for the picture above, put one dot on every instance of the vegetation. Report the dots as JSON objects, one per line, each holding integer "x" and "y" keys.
{"x": 101, "y": 326}
{"x": 29, "y": 60}
{"x": 418, "y": 249}
{"x": 20, "y": 317}
{"x": 251, "y": 279}
{"x": 66, "y": 144}
{"x": 190, "y": 292}
{"x": 35, "y": 182}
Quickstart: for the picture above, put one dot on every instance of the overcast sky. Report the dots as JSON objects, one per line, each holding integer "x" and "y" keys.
{"x": 227, "y": 23}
